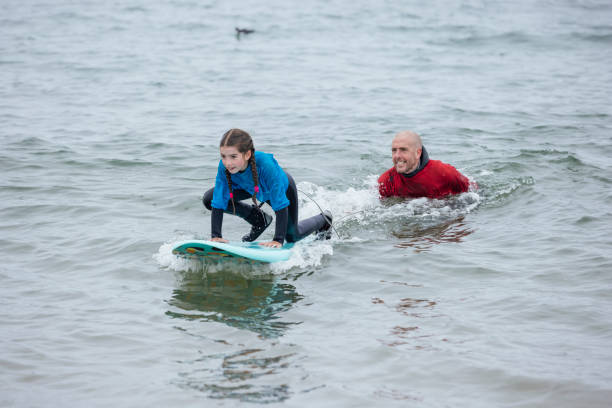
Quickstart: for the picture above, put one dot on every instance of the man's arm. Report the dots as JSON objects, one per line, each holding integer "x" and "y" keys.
{"x": 460, "y": 183}
{"x": 385, "y": 185}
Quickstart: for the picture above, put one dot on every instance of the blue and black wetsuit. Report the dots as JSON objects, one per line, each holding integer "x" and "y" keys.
{"x": 276, "y": 187}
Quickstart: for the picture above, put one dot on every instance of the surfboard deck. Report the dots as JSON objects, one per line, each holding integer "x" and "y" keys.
{"x": 251, "y": 251}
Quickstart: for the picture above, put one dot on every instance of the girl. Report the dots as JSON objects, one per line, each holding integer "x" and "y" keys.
{"x": 244, "y": 173}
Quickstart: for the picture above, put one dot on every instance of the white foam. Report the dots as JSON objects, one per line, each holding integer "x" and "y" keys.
{"x": 307, "y": 253}
{"x": 167, "y": 260}
{"x": 350, "y": 204}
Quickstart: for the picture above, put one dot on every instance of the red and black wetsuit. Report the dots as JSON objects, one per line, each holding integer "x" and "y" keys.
{"x": 432, "y": 179}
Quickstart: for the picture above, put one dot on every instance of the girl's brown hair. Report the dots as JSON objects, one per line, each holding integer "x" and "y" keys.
{"x": 242, "y": 141}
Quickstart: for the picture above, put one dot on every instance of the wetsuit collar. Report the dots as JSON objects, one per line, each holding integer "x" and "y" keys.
{"x": 424, "y": 159}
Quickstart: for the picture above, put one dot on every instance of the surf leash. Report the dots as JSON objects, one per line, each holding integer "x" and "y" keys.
{"x": 320, "y": 209}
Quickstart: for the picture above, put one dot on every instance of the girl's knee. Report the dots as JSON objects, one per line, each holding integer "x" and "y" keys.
{"x": 207, "y": 199}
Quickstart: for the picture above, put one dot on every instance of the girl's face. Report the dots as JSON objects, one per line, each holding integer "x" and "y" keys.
{"x": 233, "y": 160}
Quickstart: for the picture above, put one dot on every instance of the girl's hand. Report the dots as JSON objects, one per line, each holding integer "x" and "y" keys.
{"x": 225, "y": 241}
{"x": 271, "y": 244}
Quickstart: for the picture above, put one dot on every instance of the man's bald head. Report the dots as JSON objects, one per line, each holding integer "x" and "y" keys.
{"x": 410, "y": 137}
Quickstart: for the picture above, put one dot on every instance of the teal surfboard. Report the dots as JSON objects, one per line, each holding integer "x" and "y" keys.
{"x": 250, "y": 251}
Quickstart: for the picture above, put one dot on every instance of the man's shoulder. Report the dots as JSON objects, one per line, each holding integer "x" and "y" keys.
{"x": 445, "y": 171}
{"x": 438, "y": 164}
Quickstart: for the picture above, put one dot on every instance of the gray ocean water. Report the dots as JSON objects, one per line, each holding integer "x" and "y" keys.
{"x": 110, "y": 119}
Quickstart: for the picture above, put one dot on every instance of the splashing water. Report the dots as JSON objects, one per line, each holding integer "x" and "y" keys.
{"x": 354, "y": 211}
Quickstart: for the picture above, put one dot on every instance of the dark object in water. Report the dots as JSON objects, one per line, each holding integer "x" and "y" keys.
{"x": 243, "y": 31}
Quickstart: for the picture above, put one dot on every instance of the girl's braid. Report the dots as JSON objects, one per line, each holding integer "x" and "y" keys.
{"x": 255, "y": 176}
{"x": 229, "y": 184}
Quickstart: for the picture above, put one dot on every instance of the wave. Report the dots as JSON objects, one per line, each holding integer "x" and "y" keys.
{"x": 596, "y": 38}
{"x": 475, "y": 39}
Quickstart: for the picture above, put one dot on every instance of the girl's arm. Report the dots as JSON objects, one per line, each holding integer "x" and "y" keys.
{"x": 219, "y": 200}
{"x": 280, "y": 231}
{"x": 216, "y": 224}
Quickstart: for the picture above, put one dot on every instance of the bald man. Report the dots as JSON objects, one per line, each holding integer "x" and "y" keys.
{"x": 414, "y": 175}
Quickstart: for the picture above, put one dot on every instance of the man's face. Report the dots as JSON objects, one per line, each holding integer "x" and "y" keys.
{"x": 405, "y": 155}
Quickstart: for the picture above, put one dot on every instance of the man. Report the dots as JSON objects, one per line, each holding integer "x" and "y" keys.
{"x": 414, "y": 175}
